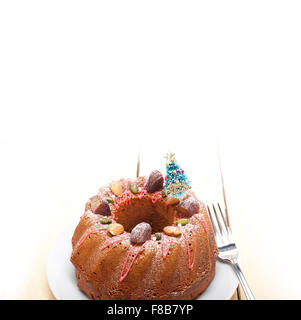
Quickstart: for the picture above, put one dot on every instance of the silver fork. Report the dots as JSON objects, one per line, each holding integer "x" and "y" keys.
{"x": 228, "y": 251}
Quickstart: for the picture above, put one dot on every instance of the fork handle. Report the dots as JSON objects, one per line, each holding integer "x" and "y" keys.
{"x": 243, "y": 281}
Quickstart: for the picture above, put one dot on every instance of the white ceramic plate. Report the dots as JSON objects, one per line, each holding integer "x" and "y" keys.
{"x": 63, "y": 283}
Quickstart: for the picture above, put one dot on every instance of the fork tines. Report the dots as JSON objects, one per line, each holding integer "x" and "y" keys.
{"x": 227, "y": 250}
{"x": 220, "y": 226}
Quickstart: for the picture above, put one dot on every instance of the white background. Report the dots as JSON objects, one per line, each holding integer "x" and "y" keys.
{"x": 85, "y": 85}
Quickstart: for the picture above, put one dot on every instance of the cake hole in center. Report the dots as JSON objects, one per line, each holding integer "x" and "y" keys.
{"x": 143, "y": 210}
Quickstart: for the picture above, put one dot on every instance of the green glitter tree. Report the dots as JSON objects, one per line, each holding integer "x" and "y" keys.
{"x": 176, "y": 181}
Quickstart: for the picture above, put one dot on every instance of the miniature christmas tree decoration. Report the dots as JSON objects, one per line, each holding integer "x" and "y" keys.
{"x": 176, "y": 182}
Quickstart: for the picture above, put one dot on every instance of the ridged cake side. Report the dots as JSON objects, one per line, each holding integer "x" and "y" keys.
{"x": 173, "y": 267}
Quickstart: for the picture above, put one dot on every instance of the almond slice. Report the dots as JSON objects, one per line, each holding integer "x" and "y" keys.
{"x": 172, "y": 201}
{"x": 116, "y": 188}
{"x": 172, "y": 231}
{"x": 115, "y": 228}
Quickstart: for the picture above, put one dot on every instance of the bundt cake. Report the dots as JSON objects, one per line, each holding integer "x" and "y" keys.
{"x": 138, "y": 240}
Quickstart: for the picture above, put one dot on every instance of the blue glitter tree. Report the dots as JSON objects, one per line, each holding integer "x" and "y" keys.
{"x": 176, "y": 182}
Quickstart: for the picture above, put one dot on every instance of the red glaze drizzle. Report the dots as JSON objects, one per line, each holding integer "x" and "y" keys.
{"x": 164, "y": 255}
{"x": 115, "y": 204}
{"x": 127, "y": 196}
{"x": 190, "y": 264}
{"x": 123, "y": 275}
{"x": 113, "y": 215}
{"x": 88, "y": 233}
{"x": 118, "y": 201}
{"x": 141, "y": 193}
{"x": 156, "y": 196}
{"x": 202, "y": 222}
{"x": 109, "y": 243}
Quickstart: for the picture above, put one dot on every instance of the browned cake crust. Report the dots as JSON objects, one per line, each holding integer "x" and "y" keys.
{"x": 112, "y": 267}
